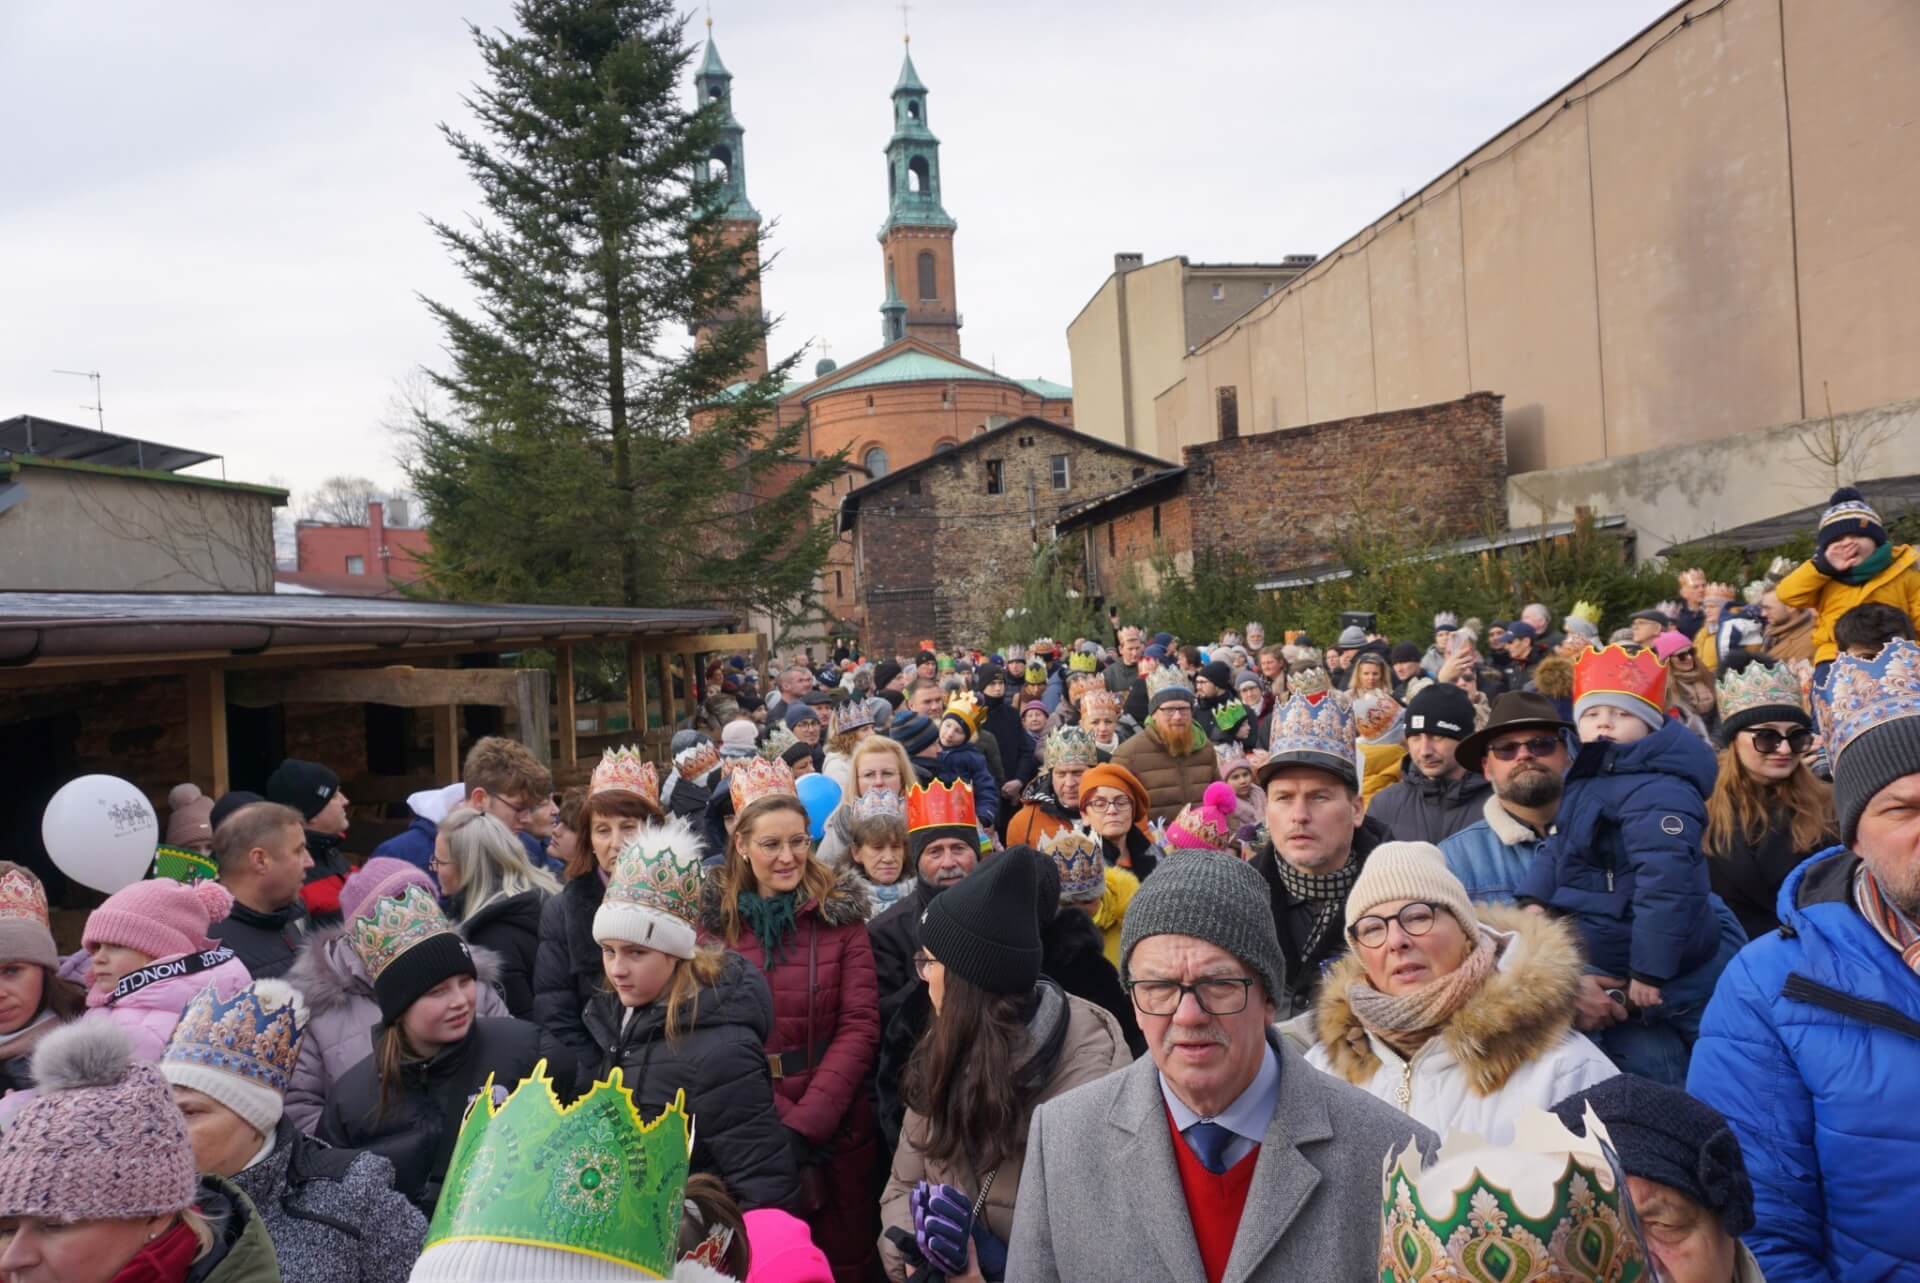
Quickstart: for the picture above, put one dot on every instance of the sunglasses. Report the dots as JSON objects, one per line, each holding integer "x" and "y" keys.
{"x": 1538, "y": 746}
{"x": 1767, "y": 740}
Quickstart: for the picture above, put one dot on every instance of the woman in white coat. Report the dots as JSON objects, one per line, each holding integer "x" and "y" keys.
{"x": 1461, "y": 1018}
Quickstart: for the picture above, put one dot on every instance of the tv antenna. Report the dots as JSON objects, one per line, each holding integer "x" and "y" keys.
{"x": 99, "y": 413}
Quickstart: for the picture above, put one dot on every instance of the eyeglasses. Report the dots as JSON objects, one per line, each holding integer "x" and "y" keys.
{"x": 793, "y": 846}
{"x": 1107, "y": 804}
{"x": 1221, "y": 996}
{"x": 921, "y": 961}
{"x": 1537, "y": 746}
{"x": 1415, "y": 919}
{"x": 1767, "y": 740}
{"x": 1176, "y": 710}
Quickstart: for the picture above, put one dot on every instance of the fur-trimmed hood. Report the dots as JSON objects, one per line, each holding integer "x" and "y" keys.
{"x": 328, "y": 973}
{"x": 846, "y": 903}
{"x": 1520, "y": 1013}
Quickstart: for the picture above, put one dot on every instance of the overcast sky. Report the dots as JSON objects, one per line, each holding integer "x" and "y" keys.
{"x": 220, "y": 206}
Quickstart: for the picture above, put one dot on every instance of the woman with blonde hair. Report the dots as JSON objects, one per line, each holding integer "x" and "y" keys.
{"x": 494, "y": 896}
{"x": 876, "y": 762}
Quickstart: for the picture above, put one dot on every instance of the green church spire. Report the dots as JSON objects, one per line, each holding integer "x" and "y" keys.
{"x": 913, "y": 159}
{"x": 893, "y": 313}
{"x": 727, "y": 161}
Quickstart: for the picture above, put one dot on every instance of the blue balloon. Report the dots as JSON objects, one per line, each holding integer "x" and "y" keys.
{"x": 819, "y": 794}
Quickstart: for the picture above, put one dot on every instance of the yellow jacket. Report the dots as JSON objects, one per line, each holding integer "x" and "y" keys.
{"x": 1897, "y": 586}
{"x": 1382, "y": 767}
{"x": 1111, "y": 912}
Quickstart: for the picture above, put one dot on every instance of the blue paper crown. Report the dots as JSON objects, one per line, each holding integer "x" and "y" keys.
{"x": 254, "y": 1035}
{"x": 1859, "y": 694}
{"x": 1315, "y": 734}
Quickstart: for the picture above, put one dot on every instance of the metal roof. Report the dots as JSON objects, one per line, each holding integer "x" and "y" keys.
{"x": 1047, "y": 388}
{"x": 914, "y": 366}
{"x": 1330, "y": 570}
{"x": 1890, "y": 497}
{"x": 53, "y": 625}
{"x": 51, "y": 439}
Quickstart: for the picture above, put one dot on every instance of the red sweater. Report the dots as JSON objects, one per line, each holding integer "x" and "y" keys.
{"x": 1214, "y": 1203}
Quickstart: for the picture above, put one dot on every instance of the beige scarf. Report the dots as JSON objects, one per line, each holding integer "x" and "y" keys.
{"x": 1407, "y": 1021}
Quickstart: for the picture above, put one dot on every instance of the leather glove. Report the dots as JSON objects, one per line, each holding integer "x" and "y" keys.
{"x": 941, "y": 1219}
{"x": 990, "y": 1251}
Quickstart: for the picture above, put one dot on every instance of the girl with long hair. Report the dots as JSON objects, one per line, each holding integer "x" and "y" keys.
{"x": 494, "y": 896}
{"x": 804, "y": 926}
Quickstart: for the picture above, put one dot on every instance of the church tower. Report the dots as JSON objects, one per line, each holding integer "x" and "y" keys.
{"x": 740, "y": 223}
{"x": 917, "y": 239}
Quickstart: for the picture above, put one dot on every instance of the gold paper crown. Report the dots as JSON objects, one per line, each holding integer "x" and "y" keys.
{"x": 397, "y": 923}
{"x": 758, "y": 777}
{"x": 1081, "y": 662}
{"x": 1167, "y": 677}
{"x": 623, "y": 770}
{"x": 967, "y": 708}
{"x": 1760, "y": 686}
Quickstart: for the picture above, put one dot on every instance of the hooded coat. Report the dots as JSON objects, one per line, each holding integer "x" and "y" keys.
{"x": 148, "y": 1015}
{"x": 242, "y": 1252}
{"x": 341, "y": 1014}
{"x": 333, "y": 1214}
{"x": 510, "y": 929}
{"x": 720, "y": 1062}
{"x": 1418, "y": 809}
{"x": 1171, "y": 782}
{"x": 1625, "y": 861}
{"x": 1510, "y": 1047}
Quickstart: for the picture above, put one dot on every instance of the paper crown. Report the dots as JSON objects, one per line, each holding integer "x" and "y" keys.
{"x": 177, "y": 864}
{"x": 1374, "y": 713}
{"x": 1081, "y": 662}
{"x": 1083, "y": 870}
{"x": 395, "y": 925}
{"x": 1310, "y": 682}
{"x": 941, "y": 805}
{"x": 1860, "y": 694}
{"x": 22, "y": 898}
{"x": 1446, "y": 621}
{"x": 1548, "y": 1208}
{"x": 1167, "y": 677}
{"x": 966, "y": 707}
{"x": 1613, "y": 671}
{"x": 1719, "y": 592}
{"x": 849, "y": 715}
{"x": 255, "y": 1035}
{"x": 1760, "y": 686}
{"x": 779, "y": 739}
{"x": 878, "y": 804}
{"x": 1044, "y": 646}
{"x": 1206, "y": 825}
{"x": 1310, "y": 733}
{"x": 1100, "y": 703}
{"x": 1587, "y": 611}
{"x": 623, "y": 770}
{"x": 696, "y": 760}
{"x": 1070, "y": 746}
{"x": 1231, "y": 756}
{"x": 661, "y": 870}
{"x": 758, "y": 777}
{"x": 591, "y": 1178}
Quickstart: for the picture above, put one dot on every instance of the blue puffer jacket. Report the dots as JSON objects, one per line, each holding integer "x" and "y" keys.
{"x": 1624, "y": 855}
{"x": 1491, "y": 856}
{"x": 414, "y": 844}
{"x": 1811, "y": 1048}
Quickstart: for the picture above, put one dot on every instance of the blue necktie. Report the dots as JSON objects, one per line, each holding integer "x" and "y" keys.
{"x": 1209, "y": 1142}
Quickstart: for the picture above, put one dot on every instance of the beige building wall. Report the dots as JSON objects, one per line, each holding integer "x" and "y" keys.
{"x": 1710, "y": 231}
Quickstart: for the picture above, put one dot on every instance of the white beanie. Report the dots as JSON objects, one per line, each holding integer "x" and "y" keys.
{"x": 242, "y": 1051}
{"x": 1410, "y": 871}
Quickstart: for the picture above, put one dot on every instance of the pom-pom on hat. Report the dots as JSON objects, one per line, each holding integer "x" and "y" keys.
{"x": 965, "y": 708}
{"x": 159, "y": 917}
{"x": 189, "y": 816}
{"x": 623, "y": 770}
{"x": 241, "y": 1051}
{"x": 653, "y": 898}
{"x": 1206, "y": 825}
{"x": 407, "y": 946}
{"x": 1849, "y": 513}
{"x": 26, "y": 934}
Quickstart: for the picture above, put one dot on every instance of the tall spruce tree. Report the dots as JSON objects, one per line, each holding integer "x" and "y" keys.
{"x": 565, "y": 468}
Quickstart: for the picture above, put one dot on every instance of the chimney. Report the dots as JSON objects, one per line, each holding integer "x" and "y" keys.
{"x": 376, "y": 537}
{"x": 1127, "y": 262}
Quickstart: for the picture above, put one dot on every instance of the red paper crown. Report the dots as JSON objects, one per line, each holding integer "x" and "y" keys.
{"x": 1616, "y": 672}
{"x": 941, "y": 805}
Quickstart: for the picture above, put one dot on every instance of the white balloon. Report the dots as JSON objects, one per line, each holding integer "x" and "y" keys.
{"x": 101, "y": 832}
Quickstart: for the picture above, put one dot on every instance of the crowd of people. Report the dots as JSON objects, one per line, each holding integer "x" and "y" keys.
{"x": 1131, "y": 956}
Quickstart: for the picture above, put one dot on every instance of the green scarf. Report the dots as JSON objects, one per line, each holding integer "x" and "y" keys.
{"x": 1876, "y": 564}
{"x": 772, "y": 921}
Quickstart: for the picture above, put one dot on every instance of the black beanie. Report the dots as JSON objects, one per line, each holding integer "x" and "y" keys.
{"x": 894, "y": 698}
{"x": 1666, "y": 1136}
{"x": 1867, "y": 763}
{"x": 989, "y": 674}
{"x": 912, "y": 731}
{"x": 1217, "y": 672}
{"x": 230, "y": 801}
{"x": 883, "y": 672}
{"x": 986, "y": 930}
{"x": 1848, "y": 513}
{"x": 439, "y": 957}
{"x": 1441, "y": 709}
{"x": 1048, "y": 884}
{"x": 1404, "y": 653}
{"x": 307, "y": 787}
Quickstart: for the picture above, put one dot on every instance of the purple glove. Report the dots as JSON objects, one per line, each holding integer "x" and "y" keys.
{"x": 941, "y": 1221}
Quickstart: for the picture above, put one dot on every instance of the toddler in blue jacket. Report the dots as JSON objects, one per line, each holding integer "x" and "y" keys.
{"x": 959, "y": 760}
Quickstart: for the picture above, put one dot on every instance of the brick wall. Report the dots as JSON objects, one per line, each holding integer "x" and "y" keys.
{"x": 1130, "y": 539}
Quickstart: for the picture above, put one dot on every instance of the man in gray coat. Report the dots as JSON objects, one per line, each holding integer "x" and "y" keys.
{"x": 1224, "y": 1158}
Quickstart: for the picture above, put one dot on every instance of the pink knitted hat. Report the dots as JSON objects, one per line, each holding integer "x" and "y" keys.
{"x": 1207, "y": 825}
{"x": 1670, "y": 643}
{"x": 102, "y": 1139}
{"x": 378, "y": 878}
{"x": 159, "y": 917}
{"x": 24, "y": 933}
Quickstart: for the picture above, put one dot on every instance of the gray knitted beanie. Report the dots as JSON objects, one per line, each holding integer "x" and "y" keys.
{"x": 1210, "y": 896}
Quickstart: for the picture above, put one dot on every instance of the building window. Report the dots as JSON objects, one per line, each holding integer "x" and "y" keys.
{"x": 996, "y": 476}
{"x": 913, "y": 486}
{"x": 1219, "y": 293}
{"x": 1111, "y": 551}
{"x": 869, "y": 400}
{"x": 1156, "y": 521}
{"x": 1062, "y": 472}
{"x": 1227, "y": 412}
{"x": 929, "y": 288}
{"x": 946, "y": 395}
{"x": 1139, "y": 473}
{"x": 839, "y": 589}
{"x": 876, "y": 461}
{"x": 356, "y": 565}
{"x": 919, "y": 176}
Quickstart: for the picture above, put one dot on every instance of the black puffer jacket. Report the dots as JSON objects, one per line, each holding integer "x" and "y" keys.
{"x": 333, "y": 1214}
{"x": 1073, "y": 955}
{"x": 417, "y": 1130}
{"x": 720, "y": 1061}
{"x": 1418, "y": 809}
{"x": 566, "y": 969}
{"x": 511, "y": 929}
{"x": 265, "y": 942}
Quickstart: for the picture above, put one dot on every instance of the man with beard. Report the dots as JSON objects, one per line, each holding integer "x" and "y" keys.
{"x": 1525, "y": 753}
{"x": 1170, "y": 756}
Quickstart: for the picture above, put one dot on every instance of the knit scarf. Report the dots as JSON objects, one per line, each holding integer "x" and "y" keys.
{"x": 1894, "y": 926}
{"x": 1326, "y": 890}
{"x": 771, "y": 919}
{"x": 1406, "y": 1021}
{"x": 885, "y": 897}
{"x": 22, "y": 1041}
{"x": 1876, "y": 563}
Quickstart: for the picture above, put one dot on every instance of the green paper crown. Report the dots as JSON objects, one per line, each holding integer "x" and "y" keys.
{"x": 182, "y": 865}
{"x": 589, "y": 1178}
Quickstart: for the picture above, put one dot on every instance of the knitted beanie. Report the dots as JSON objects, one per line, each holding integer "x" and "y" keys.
{"x": 737, "y": 739}
{"x": 1404, "y": 653}
{"x": 797, "y": 713}
{"x": 884, "y": 672}
{"x": 378, "y": 878}
{"x": 1666, "y": 1136}
{"x": 912, "y": 731}
{"x": 159, "y": 917}
{"x": 986, "y": 930}
{"x": 1217, "y": 672}
{"x": 1206, "y": 825}
{"x": 100, "y": 1140}
{"x": 653, "y": 897}
{"x": 241, "y": 1051}
{"x": 1212, "y": 897}
{"x": 1410, "y": 871}
{"x": 307, "y": 787}
{"x": 1870, "y": 761}
{"x": 230, "y": 801}
{"x": 1670, "y": 643}
{"x": 1441, "y": 709}
{"x": 1646, "y": 712}
{"x": 1849, "y": 513}
{"x": 407, "y": 946}
{"x": 25, "y": 931}
{"x": 189, "y": 816}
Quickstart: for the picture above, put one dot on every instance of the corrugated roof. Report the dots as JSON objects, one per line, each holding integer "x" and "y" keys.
{"x": 914, "y": 366}
{"x": 52, "y": 439}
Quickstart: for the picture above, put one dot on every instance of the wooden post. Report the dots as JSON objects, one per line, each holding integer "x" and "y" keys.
{"x": 692, "y": 661}
{"x": 569, "y": 722}
{"x": 671, "y": 706}
{"x": 207, "y": 729}
{"x": 530, "y": 703}
{"x": 446, "y": 743}
{"x": 760, "y": 659}
{"x": 637, "y": 689}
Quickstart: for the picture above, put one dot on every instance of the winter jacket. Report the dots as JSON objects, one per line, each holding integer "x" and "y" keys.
{"x": 1491, "y": 857}
{"x": 333, "y": 1214}
{"x": 1624, "y": 858}
{"x": 1171, "y": 782}
{"x": 1748, "y": 875}
{"x": 510, "y": 929}
{"x": 1042, "y": 814}
{"x": 414, "y": 844}
{"x": 1294, "y": 919}
{"x": 690, "y": 797}
{"x": 719, "y": 1061}
{"x": 1073, "y": 955}
{"x": 1070, "y": 1042}
{"x": 265, "y": 943}
{"x": 148, "y": 1015}
{"x": 1418, "y": 809}
{"x": 241, "y": 1252}
{"x": 1510, "y": 1047}
{"x": 566, "y": 970}
{"x": 417, "y": 1129}
{"x": 341, "y": 1014}
{"x": 1811, "y": 1048}
{"x": 969, "y": 765}
{"x": 895, "y": 936}
{"x": 1110, "y": 915}
{"x": 321, "y": 894}
{"x": 1381, "y": 766}
{"x": 1809, "y": 587}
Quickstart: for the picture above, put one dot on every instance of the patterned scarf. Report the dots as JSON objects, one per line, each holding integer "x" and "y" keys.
{"x": 1406, "y": 1021}
{"x": 1327, "y": 890}
{"x": 1895, "y": 927}
{"x": 771, "y": 919}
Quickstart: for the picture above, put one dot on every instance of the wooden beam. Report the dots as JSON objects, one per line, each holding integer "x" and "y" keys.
{"x": 446, "y": 743}
{"x": 563, "y": 691}
{"x": 760, "y": 659}
{"x": 670, "y": 706}
{"x": 404, "y": 686}
{"x": 675, "y": 642}
{"x": 207, "y": 729}
{"x": 692, "y": 662}
{"x": 636, "y": 689}
{"x": 531, "y": 704}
